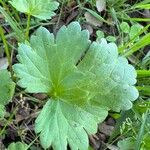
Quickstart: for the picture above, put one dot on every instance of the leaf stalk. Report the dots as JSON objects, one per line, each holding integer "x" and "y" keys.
{"x": 28, "y": 27}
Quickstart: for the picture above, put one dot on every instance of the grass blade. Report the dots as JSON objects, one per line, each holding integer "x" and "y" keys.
{"x": 141, "y": 132}
{"x": 144, "y": 90}
{"x": 19, "y": 33}
{"x": 143, "y": 73}
{"x": 6, "y": 48}
{"x": 98, "y": 17}
{"x": 132, "y": 40}
{"x": 144, "y": 41}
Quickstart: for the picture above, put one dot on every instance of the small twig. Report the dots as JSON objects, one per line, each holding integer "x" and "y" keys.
{"x": 59, "y": 17}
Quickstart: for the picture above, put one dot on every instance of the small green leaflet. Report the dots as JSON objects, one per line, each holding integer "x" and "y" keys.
{"x": 124, "y": 26}
{"x": 42, "y": 9}
{"x": 17, "y": 146}
{"x": 82, "y": 79}
{"x": 7, "y": 87}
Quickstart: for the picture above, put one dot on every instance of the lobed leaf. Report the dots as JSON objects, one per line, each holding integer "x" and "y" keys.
{"x": 70, "y": 121}
{"x": 114, "y": 77}
{"x": 42, "y": 9}
{"x": 82, "y": 79}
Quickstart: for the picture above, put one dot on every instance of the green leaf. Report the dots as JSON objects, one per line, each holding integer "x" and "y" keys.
{"x": 122, "y": 48}
{"x": 110, "y": 38}
{"x": 14, "y": 25}
{"x": 115, "y": 78}
{"x": 17, "y": 146}
{"x": 7, "y": 87}
{"x": 82, "y": 79}
{"x": 134, "y": 30}
{"x": 42, "y": 9}
{"x": 53, "y": 70}
{"x": 60, "y": 122}
{"x": 125, "y": 27}
{"x": 100, "y": 35}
